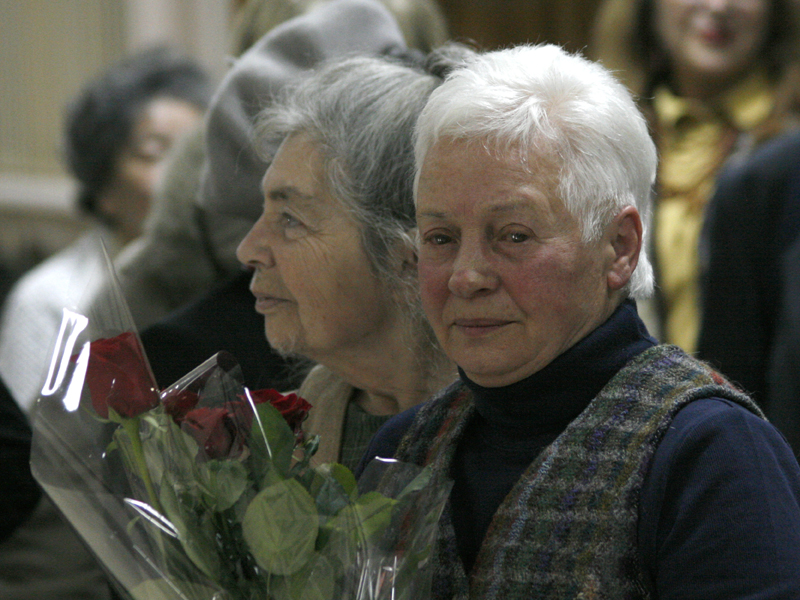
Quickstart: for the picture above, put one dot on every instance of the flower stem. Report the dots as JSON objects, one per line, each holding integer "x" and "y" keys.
{"x": 131, "y": 427}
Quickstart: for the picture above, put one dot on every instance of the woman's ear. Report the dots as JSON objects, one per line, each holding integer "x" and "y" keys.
{"x": 625, "y": 238}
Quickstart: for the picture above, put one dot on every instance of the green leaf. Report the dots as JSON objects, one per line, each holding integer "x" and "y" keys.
{"x": 196, "y": 534}
{"x": 333, "y": 493}
{"x": 341, "y": 537}
{"x": 341, "y": 474}
{"x": 271, "y": 442}
{"x": 418, "y": 483}
{"x": 375, "y": 512}
{"x": 225, "y": 481}
{"x": 161, "y": 589}
{"x": 315, "y": 581}
{"x": 280, "y": 527}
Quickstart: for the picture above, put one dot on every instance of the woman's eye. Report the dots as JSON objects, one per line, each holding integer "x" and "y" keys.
{"x": 515, "y": 236}
{"x": 438, "y": 239}
{"x": 288, "y": 221}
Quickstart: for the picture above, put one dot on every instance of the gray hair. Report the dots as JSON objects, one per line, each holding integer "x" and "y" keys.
{"x": 361, "y": 112}
{"x": 548, "y": 105}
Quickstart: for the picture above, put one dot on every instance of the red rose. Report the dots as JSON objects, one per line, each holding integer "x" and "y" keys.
{"x": 292, "y": 407}
{"x": 178, "y": 403}
{"x": 214, "y": 431}
{"x": 118, "y": 377}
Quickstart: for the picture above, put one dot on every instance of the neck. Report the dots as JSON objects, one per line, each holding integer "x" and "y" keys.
{"x": 553, "y": 396}
{"x": 393, "y": 373}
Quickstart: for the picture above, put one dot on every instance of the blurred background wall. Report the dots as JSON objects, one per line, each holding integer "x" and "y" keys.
{"x": 49, "y": 48}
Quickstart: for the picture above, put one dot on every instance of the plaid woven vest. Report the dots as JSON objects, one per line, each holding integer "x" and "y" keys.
{"x": 568, "y": 528}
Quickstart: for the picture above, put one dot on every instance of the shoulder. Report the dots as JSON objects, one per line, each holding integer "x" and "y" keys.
{"x": 387, "y": 439}
{"x": 708, "y": 427}
{"x": 774, "y": 163}
{"x": 321, "y": 381}
{"x": 720, "y": 505}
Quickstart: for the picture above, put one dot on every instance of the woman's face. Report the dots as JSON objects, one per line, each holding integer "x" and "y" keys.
{"x": 711, "y": 43}
{"x": 139, "y": 166}
{"x": 312, "y": 281}
{"x": 506, "y": 281}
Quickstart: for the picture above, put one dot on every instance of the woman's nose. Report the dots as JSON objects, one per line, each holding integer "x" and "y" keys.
{"x": 255, "y": 249}
{"x": 472, "y": 272}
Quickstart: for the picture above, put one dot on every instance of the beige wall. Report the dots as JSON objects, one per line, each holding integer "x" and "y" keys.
{"x": 48, "y": 49}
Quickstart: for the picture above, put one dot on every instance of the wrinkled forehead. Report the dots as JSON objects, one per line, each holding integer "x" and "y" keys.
{"x": 462, "y": 177}
{"x": 519, "y": 165}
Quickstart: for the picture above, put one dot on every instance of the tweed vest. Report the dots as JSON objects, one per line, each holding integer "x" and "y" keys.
{"x": 568, "y": 528}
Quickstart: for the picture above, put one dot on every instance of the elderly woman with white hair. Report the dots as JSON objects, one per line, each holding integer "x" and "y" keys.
{"x": 589, "y": 461}
{"x": 332, "y": 255}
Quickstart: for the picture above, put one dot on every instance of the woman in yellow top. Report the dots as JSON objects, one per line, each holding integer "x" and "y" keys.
{"x": 717, "y": 78}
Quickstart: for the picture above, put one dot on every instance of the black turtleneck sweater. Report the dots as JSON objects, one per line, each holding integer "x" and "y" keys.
{"x": 514, "y": 423}
{"x": 720, "y": 507}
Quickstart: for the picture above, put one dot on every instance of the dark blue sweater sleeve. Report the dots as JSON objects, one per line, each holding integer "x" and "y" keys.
{"x": 385, "y": 441}
{"x": 720, "y": 508}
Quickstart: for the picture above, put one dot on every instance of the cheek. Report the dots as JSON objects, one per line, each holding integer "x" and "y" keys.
{"x": 433, "y": 286}
{"x": 141, "y": 178}
{"x": 753, "y": 32}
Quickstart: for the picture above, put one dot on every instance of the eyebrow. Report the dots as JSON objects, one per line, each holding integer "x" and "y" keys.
{"x": 512, "y": 206}
{"x": 289, "y": 193}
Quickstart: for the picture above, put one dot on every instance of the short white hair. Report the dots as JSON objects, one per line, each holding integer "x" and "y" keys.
{"x": 544, "y": 103}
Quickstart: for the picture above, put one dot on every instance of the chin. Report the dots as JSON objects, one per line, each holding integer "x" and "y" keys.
{"x": 285, "y": 346}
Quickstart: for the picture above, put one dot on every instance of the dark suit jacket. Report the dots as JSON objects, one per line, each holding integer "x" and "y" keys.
{"x": 224, "y": 319}
{"x": 753, "y": 218}
{"x": 784, "y": 367}
{"x": 20, "y": 492}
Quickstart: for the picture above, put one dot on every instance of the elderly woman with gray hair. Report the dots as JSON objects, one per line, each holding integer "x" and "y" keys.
{"x": 334, "y": 265}
{"x": 589, "y": 461}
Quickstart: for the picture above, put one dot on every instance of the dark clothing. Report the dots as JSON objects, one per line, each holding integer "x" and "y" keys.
{"x": 783, "y": 408}
{"x": 704, "y": 528}
{"x": 753, "y": 218}
{"x": 224, "y": 319}
{"x": 20, "y": 491}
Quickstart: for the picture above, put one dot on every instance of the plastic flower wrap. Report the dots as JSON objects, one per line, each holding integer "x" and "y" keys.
{"x": 207, "y": 490}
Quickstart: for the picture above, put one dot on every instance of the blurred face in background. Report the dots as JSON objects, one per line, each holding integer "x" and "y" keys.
{"x": 126, "y": 199}
{"x": 711, "y": 44}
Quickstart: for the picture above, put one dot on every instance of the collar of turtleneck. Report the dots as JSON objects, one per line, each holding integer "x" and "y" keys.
{"x": 552, "y": 397}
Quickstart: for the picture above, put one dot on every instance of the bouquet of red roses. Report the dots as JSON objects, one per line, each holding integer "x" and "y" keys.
{"x": 207, "y": 490}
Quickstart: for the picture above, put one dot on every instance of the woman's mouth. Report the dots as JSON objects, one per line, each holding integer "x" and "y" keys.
{"x": 479, "y": 327}
{"x": 265, "y": 304}
{"x": 715, "y": 36}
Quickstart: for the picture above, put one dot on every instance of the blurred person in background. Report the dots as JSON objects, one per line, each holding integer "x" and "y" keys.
{"x": 422, "y": 22}
{"x": 716, "y": 78}
{"x": 20, "y": 492}
{"x": 118, "y": 132}
{"x": 754, "y": 221}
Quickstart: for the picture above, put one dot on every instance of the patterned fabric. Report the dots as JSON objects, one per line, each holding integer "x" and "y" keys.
{"x": 568, "y": 528}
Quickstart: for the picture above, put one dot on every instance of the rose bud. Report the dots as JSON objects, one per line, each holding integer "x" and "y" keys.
{"x": 118, "y": 377}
